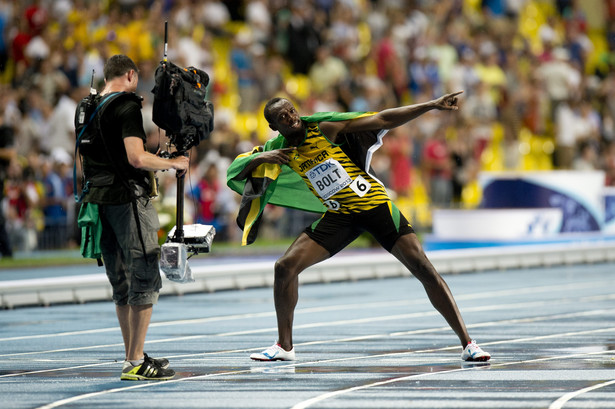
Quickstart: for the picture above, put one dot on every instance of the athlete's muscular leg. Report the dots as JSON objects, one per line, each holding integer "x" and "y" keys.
{"x": 409, "y": 251}
{"x": 303, "y": 253}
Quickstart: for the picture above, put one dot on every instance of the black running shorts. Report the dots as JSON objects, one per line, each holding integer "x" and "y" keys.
{"x": 334, "y": 231}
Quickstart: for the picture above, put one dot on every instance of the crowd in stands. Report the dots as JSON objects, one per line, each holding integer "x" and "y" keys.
{"x": 538, "y": 79}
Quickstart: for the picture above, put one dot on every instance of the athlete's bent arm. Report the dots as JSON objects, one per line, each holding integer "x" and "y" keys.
{"x": 277, "y": 156}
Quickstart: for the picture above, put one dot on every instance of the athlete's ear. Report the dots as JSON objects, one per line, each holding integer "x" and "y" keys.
{"x": 273, "y": 128}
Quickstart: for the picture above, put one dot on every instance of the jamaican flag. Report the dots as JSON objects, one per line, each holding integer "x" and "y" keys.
{"x": 280, "y": 185}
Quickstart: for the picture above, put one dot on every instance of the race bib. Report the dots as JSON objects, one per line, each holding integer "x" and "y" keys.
{"x": 360, "y": 186}
{"x": 332, "y": 204}
{"x": 328, "y": 178}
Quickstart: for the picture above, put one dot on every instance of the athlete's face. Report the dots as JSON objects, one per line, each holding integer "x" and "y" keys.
{"x": 286, "y": 118}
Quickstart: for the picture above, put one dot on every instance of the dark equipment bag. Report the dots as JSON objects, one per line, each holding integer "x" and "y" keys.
{"x": 87, "y": 120}
{"x": 88, "y": 138}
{"x": 180, "y": 107}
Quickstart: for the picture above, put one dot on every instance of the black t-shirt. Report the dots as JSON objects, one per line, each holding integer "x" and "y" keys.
{"x": 107, "y": 168}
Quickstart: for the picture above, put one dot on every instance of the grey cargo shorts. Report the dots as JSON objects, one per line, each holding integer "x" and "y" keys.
{"x": 134, "y": 277}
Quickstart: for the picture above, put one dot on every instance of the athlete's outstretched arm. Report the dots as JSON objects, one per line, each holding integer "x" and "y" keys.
{"x": 390, "y": 118}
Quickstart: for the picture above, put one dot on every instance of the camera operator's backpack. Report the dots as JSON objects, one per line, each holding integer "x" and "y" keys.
{"x": 87, "y": 127}
{"x": 180, "y": 107}
{"x": 87, "y": 119}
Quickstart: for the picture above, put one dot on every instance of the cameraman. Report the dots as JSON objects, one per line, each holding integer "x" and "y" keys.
{"x": 119, "y": 171}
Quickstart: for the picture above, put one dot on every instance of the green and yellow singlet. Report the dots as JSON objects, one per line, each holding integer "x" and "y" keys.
{"x": 339, "y": 184}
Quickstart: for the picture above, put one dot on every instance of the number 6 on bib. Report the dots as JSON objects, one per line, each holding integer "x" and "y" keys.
{"x": 360, "y": 186}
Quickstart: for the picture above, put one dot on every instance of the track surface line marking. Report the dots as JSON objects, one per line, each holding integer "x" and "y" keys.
{"x": 341, "y": 307}
{"x": 558, "y": 404}
{"x": 304, "y": 404}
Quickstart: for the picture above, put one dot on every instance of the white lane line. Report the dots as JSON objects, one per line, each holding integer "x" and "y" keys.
{"x": 558, "y": 404}
{"x": 126, "y": 388}
{"x": 309, "y": 402}
{"x": 430, "y": 313}
{"x": 359, "y": 338}
{"x": 342, "y": 307}
{"x": 343, "y": 391}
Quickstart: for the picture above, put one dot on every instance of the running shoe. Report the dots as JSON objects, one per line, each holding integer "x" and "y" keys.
{"x": 148, "y": 370}
{"x": 274, "y": 353}
{"x": 473, "y": 352}
{"x": 161, "y": 362}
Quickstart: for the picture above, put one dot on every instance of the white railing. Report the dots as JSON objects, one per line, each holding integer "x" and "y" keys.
{"x": 238, "y": 276}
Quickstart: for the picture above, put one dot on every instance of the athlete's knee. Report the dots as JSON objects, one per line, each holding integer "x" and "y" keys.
{"x": 285, "y": 269}
{"x": 409, "y": 250}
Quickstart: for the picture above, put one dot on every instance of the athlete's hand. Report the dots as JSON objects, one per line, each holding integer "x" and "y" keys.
{"x": 447, "y": 102}
{"x": 278, "y": 156}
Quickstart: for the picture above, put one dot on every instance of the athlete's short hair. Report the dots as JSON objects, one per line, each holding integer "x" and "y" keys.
{"x": 118, "y": 65}
{"x": 267, "y": 111}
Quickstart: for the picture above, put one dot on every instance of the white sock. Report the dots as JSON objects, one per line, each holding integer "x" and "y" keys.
{"x": 137, "y": 362}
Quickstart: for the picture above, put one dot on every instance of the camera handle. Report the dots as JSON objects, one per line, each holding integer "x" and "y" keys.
{"x": 179, "y": 218}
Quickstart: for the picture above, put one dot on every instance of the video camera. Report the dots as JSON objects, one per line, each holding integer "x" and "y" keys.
{"x": 180, "y": 107}
{"x": 181, "y": 110}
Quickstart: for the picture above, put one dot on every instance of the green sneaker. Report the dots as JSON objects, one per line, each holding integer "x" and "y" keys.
{"x": 149, "y": 370}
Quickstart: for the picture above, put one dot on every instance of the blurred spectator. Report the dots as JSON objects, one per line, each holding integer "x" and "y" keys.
{"x": 5, "y": 18}
{"x": 328, "y": 71}
{"x": 588, "y": 124}
{"x": 489, "y": 71}
{"x": 61, "y": 124}
{"x": 463, "y": 76}
{"x": 561, "y": 79}
{"x": 423, "y": 73}
{"x": 54, "y": 205}
{"x": 399, "y": 148}
{"x": 586, "y": 158}
{"x": 24, "y": 216}
{"x": 34, "y": 124}
{"x": 480, "y": 110}
{"x": 437, "y": 169}
{"x": 7, "y": 155}
{"x": 326, "y": 101}
{"x": 270, "y": 77}
{"x": 37, "y": 16}
{"x": 215, "y": 15}
{"x": 258, "y": 18}
{"x": 533, "y": 105}
{"x": 19, "y": 42}
{"x": 608, "y": 164}
{"x": 579, "y": 46}
{"x": 389, "y": 65}
{"x": 343, "y": 34}
{"x": 194, "y": 52}
{"x": 444, "y": 54}
{"x": 242, "y": 60}
{"x": 566, "y": 135}
{"x": 205, "y": 193}
{"x": 463, "y": 164}
{"x": 302, "y": 37}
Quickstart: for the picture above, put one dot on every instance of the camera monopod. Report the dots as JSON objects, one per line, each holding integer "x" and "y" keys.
{"x": 192, "y": 238}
